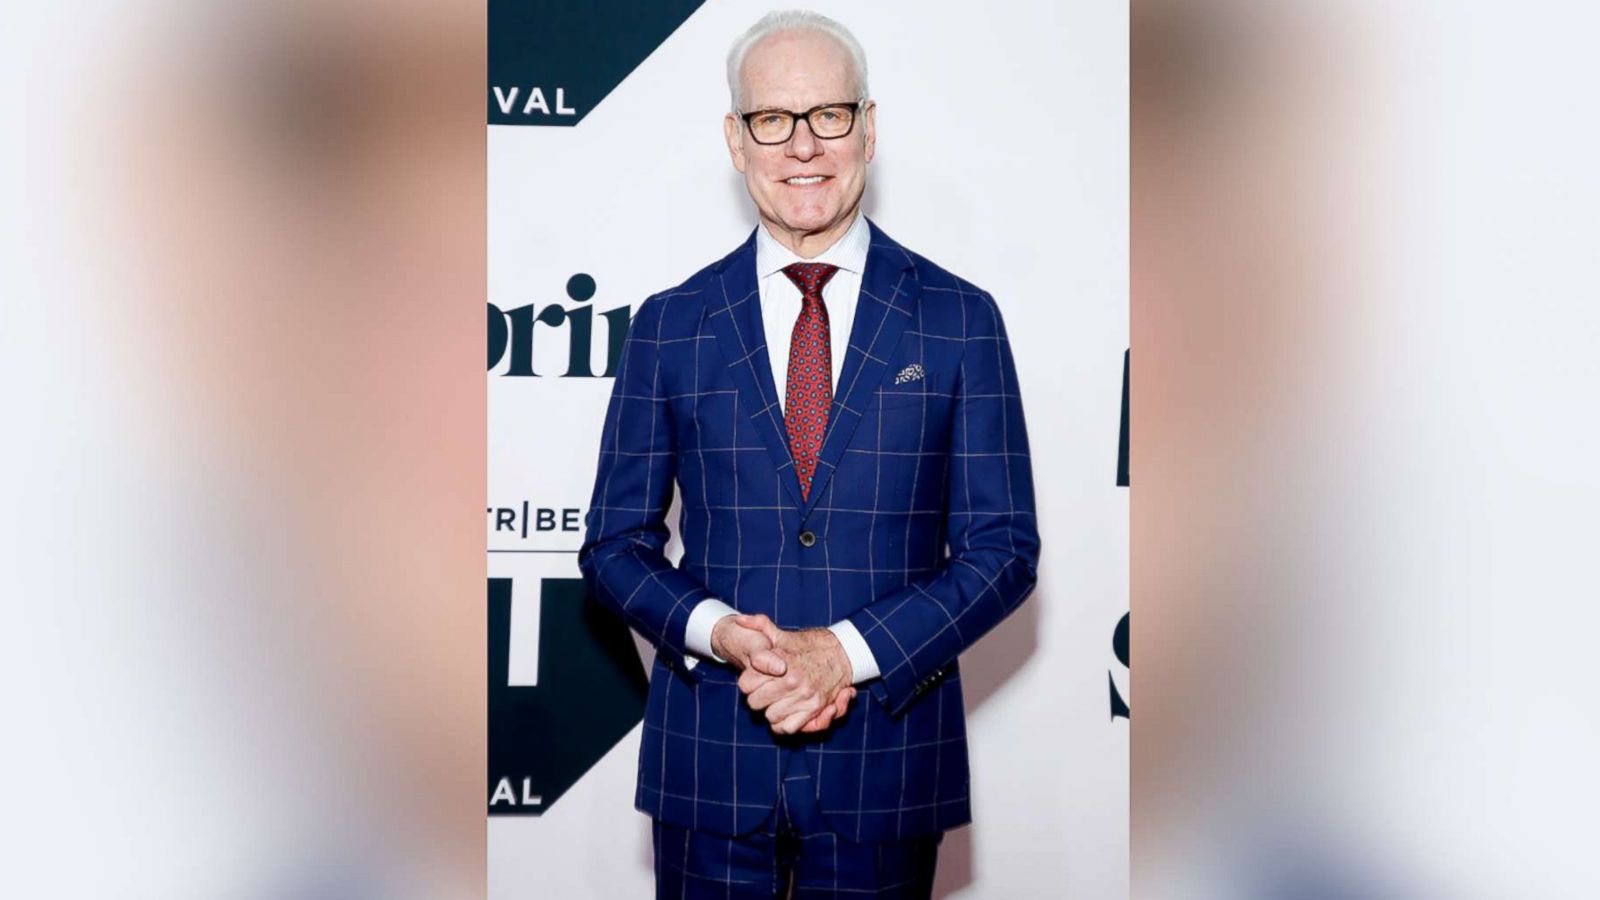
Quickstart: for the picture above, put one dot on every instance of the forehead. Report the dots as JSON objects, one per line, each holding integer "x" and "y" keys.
{"x": 796, "y": 70}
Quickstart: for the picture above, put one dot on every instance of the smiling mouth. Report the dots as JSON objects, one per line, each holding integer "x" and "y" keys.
{"x": 803, "y": 180}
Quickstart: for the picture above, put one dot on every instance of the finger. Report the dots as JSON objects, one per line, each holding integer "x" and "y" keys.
{"x": 750, "y": 679}
{"x": 773, "y": 691}
{"x": 788, "y": 705}
{"x": 819, "y": 722}
{"x": 767, "y": 694}
{"x": 831, "y": 712}
{"x": 781, "y": 708}
{"x": 841, "y": 704}
{"x": 761, "y": 623}
{"x": 768, "y": 663}
{"x": 745, "y": 641}
{"x": 792, "y": 723}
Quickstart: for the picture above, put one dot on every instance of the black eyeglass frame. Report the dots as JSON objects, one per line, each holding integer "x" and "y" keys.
{"x": 795, "y": 117}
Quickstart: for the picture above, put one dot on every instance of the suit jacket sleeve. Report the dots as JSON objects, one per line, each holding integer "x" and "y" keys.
{"x": 992, "y": 533}
{"x": 621, "y": 557}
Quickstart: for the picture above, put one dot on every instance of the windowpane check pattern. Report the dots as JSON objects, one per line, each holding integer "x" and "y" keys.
{"x": 907, "y": 468}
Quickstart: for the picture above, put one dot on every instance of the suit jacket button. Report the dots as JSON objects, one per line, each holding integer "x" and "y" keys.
{"x": 807, "y": 539}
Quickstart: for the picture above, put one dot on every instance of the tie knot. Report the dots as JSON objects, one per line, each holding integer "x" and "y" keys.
{"x": 810, "y": 277}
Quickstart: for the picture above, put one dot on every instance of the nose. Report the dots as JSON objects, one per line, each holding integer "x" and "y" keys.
{"x": 803, "y": 145}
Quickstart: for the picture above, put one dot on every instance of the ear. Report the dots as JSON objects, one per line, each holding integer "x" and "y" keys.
{"x": 869, "y": 127}
{"x": 733, "y": 133}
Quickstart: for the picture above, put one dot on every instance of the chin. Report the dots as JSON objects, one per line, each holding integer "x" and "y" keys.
{"x": 810, "y": 219}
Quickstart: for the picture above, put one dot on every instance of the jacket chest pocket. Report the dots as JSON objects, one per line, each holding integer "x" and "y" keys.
{"x": 916, "y": 389}
{"x": 899, "y": 399}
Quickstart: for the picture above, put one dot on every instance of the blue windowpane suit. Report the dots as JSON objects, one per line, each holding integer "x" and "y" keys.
{"x": 925, "y": 448}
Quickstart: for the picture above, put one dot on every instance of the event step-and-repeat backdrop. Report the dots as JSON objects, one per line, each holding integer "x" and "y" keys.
{"x": 1002, "y": 156}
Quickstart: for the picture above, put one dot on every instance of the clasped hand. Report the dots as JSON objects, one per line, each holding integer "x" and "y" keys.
{"x": 800, "y": 679}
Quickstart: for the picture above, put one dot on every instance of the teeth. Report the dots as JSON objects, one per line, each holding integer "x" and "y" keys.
{"x": 812, "y": 179}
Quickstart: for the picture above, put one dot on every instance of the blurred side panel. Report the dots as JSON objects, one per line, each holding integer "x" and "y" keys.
{"x": 1363, "y": 449}
{"x": 244, "y": 448}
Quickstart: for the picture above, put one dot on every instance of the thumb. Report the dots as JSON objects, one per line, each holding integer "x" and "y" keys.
{"x": 768, "y": 663}
{"x": 758, "y": 623}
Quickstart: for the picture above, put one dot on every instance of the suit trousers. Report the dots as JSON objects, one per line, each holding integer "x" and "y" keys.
{"x": 794, "y": 847}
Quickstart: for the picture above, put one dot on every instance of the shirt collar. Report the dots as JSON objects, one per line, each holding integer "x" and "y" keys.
{"x": 849, "y": 252}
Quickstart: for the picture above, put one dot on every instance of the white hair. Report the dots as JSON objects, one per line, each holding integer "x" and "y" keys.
{"x": 794, "y": 20}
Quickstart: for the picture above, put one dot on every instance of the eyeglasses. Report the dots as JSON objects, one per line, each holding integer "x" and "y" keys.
{"x": 828, "y": 121}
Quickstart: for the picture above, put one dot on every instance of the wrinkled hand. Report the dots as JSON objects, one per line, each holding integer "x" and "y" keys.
{"x": 748, "y": 649}
{"x": 813, "y": 691}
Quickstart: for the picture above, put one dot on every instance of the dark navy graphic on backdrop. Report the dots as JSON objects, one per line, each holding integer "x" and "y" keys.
{"x": 1122, "y": 444}
{"x": 590, "y": 694}
{"x": 552, "y": 61}
{"x": 1119, "y": 646}
{"x": 1119, "y": 637}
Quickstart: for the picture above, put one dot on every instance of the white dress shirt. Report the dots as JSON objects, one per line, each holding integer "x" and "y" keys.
{"x": 780, "y": 308}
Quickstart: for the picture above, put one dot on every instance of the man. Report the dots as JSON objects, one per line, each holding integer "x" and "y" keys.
{"x": 835, "y": 411}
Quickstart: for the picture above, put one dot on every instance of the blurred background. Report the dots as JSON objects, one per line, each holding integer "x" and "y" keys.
{"x": 241, "y": 321}
{"x": 1363, "y": 441}
{"x": 243, "y": 327}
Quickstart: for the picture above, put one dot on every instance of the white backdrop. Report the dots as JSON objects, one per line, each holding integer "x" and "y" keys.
{"x": 1002, "y": 156}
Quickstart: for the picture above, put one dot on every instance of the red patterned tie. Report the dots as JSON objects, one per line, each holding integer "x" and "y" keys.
{"x": 809, "y": 391}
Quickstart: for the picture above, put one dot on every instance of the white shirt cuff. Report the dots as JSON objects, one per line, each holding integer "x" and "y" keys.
{"x": 863, "y": 665}
{"x": 697, "y": 633}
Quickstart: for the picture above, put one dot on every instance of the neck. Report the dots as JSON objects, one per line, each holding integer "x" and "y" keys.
{"x": 810, "y": 244}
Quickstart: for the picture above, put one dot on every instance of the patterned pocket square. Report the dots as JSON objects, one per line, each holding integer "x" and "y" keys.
{"x": 912, "y": 372}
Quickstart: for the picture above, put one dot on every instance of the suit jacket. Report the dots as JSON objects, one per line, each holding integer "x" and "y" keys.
{"x": 925, "y": 447}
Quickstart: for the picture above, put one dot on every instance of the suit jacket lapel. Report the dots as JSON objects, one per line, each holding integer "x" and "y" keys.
{"x": 736, "y": 318}
{"x": 889, "y": 294}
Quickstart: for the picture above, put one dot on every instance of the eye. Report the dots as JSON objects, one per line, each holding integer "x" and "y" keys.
{"x": 769, "y": 119}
